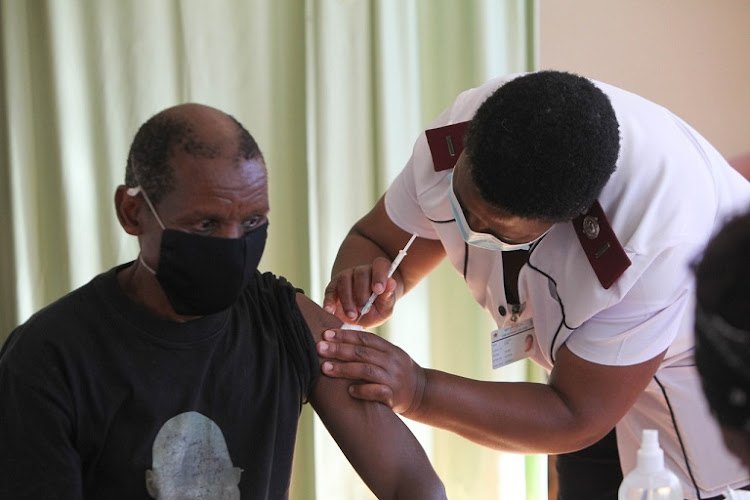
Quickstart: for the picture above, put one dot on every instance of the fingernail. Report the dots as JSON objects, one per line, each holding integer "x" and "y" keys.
{"x": 329, "y": 309}
{"x": 323, "y": 347}
{"x": 378, "y": 288}
{"x": 327, "y": 366}
{"x": 351, "y": 315}
{"x": 329, "y": 334}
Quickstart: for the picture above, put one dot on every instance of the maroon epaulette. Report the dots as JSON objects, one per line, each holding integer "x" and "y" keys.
{"x": 600, "y": 244}
{"x": 446, "y": 144}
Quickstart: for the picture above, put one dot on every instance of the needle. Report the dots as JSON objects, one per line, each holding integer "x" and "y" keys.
{"x": 394, "y": 265}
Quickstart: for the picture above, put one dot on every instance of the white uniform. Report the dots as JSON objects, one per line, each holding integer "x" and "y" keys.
{"x": 670, "y": 192}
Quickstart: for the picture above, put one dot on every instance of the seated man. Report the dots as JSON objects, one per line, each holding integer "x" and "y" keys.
{"x": 722, "y": 327}
{"x": 183, "y": 373}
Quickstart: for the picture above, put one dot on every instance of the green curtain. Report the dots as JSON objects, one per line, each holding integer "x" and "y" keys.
{"x": 335, "y": 92}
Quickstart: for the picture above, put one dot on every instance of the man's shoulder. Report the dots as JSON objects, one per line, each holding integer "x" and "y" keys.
{"x": 271, "y": 298}
{"x": 78, "y": 300}
{"x": 62, "y": 319}
{"x": 273, "y": 286}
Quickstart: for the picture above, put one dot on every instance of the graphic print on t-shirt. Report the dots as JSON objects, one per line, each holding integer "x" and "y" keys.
{"x": 190, "y": 461}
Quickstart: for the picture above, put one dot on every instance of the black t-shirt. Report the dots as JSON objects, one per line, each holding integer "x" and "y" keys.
{"x": 100, "y": 399}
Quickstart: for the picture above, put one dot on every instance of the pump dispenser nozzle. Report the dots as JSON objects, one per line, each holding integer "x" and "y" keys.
{"x": 650, "y": 456}
{"x": 650, "y": 479}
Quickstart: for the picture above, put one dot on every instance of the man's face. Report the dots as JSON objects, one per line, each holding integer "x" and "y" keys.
{"x": 222, "y": 197}
{"x": 484, "y": 218}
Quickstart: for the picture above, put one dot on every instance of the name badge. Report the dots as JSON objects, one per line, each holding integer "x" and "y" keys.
{"x": 512, "y": 343}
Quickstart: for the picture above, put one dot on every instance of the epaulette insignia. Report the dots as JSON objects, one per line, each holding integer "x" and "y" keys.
{"x": 446, "y": 144}
{"x": 600, "y": 244}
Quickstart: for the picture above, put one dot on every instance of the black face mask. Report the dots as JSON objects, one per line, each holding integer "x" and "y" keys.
{"x": 203, "y": 274}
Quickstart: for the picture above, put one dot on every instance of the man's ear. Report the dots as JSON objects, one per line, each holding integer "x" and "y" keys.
{"x": 127, "y": 208}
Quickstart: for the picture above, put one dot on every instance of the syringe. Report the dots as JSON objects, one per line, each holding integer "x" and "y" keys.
{"x": 391, "y": 270}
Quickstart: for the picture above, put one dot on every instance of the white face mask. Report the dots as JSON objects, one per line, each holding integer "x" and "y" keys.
{"x": 483, "y": 240}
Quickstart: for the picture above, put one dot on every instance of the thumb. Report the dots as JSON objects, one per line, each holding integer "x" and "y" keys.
{"x": 372, "y": 392}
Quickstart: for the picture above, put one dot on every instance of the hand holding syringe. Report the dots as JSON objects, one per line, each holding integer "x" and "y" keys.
{"x": 391, "y": 270}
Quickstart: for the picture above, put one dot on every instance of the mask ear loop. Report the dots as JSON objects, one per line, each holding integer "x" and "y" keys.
{"x": 135, "y": 191}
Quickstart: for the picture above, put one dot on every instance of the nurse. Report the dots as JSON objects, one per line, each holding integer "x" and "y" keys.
{"x": 573, "y": 210}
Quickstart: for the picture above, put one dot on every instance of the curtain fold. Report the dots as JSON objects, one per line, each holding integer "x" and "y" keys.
{"x": 334, "y": 91}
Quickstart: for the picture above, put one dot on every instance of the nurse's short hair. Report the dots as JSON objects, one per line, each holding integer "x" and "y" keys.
{"x": 543, "y": 145}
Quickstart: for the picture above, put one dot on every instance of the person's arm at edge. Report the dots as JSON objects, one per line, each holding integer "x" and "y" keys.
{"x": 362, "y": 263}
{"x": 380, "y": 447}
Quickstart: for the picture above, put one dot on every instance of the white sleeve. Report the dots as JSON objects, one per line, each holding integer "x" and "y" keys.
{"x": 656, "y": 312}
{"x": 402, "y": 205}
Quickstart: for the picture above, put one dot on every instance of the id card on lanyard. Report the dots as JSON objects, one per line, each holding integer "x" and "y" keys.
{"x": 512, "y": 343}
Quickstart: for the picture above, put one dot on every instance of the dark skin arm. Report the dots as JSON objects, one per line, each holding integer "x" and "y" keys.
{"x": 376, "y": 442}
{"x": 581, "y": 402}
{"x": 362, "y": 263}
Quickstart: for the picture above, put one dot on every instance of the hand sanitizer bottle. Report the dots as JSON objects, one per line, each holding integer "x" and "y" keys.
{"x": 650, "y": 480}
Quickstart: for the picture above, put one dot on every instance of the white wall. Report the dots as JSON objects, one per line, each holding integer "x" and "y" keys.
{"x": 692, "y": 56}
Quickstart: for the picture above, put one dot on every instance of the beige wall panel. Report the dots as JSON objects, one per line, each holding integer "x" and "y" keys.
{"x": 692, "y": 56}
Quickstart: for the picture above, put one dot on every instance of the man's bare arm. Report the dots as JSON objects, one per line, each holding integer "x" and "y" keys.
{"x": 376, "y": 442}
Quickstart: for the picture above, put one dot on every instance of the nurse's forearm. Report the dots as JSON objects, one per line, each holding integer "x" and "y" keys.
{"x": 517, "y": 417}
{"x": 356, "y": 250}
{"x": 376, "y": 235}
